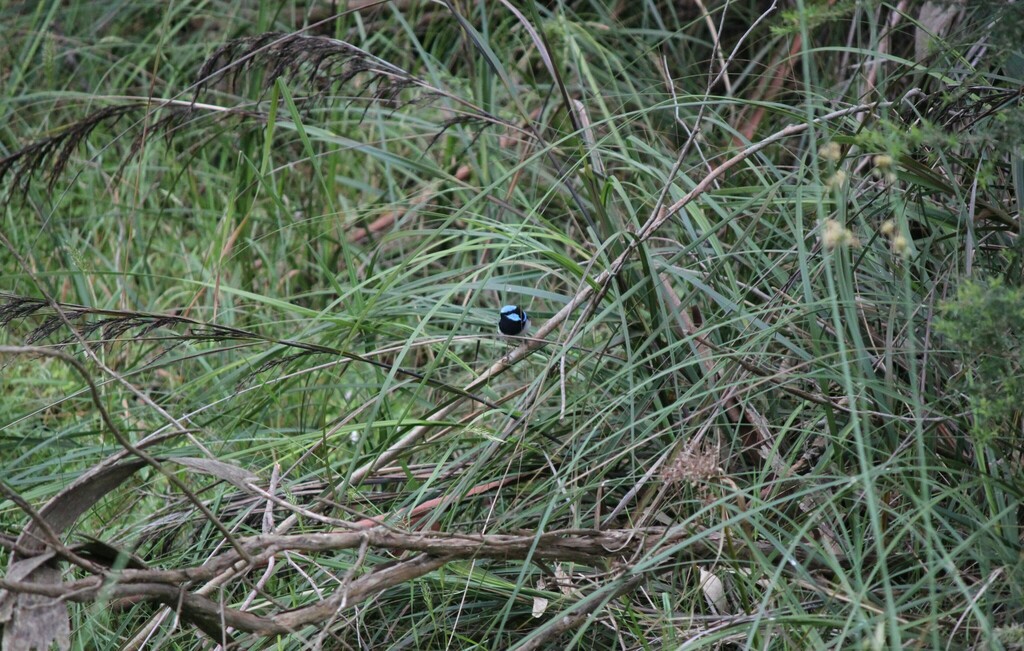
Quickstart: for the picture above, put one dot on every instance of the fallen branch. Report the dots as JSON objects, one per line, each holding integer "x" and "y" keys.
{"x": 431, "y": 551}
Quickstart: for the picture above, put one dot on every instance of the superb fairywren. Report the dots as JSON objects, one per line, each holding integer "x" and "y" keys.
{"x": 513, "y": 321}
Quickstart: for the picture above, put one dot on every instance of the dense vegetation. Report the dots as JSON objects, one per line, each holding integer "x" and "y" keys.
{"x": 252, "y": 257}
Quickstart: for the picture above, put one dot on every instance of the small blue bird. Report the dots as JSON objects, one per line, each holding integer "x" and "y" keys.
{"x": 513, "y": 321}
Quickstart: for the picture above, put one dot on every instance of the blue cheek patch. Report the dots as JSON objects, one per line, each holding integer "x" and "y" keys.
{"x": 513, "y": 321}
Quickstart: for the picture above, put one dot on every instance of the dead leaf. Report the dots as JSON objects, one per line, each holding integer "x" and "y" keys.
{"x": 235, "y": 475}
{"x": 33, "y": 621}
{"x": 714, "y": 592}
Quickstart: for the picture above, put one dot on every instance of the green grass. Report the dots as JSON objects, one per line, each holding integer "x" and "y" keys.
{"x": 784, "y": 414}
